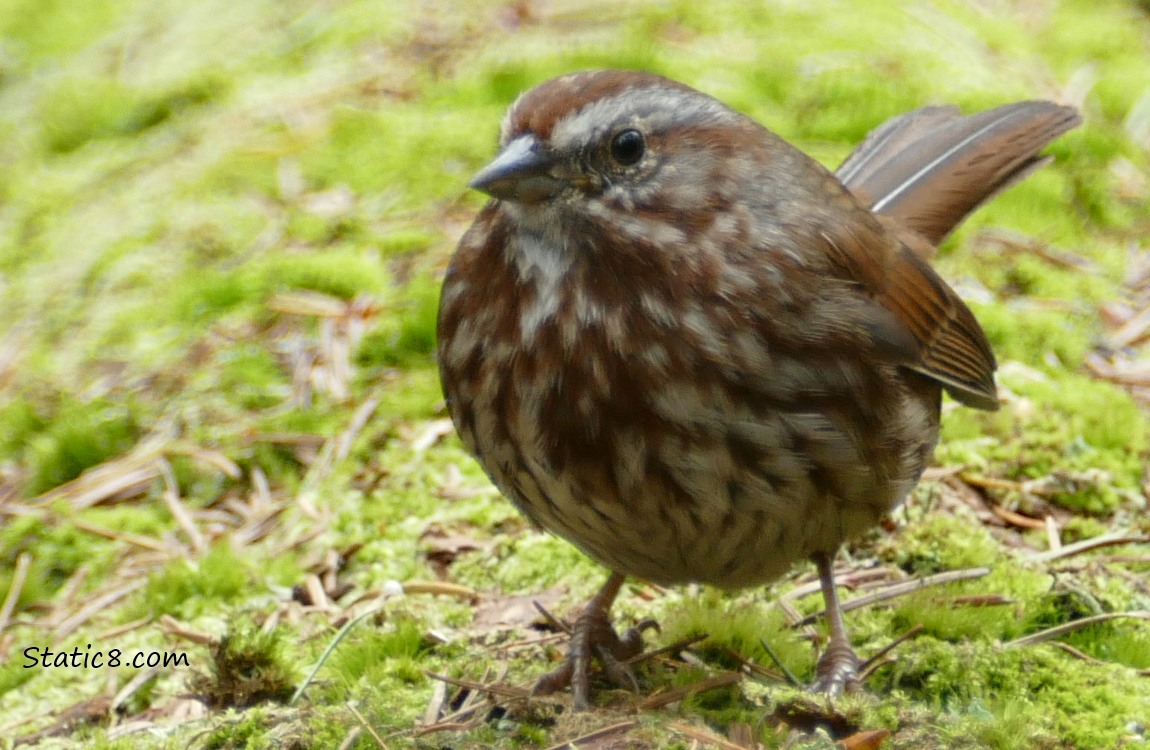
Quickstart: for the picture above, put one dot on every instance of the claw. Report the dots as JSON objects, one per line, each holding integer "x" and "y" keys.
{"x": 631, "y": 642}
{"x": 594, "y": 637}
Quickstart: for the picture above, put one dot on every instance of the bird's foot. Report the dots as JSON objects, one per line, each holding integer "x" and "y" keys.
{"x": 594, "y": 637}
{"x": 837, "y": 670}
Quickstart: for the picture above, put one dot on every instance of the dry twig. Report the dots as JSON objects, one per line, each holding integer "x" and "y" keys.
{"x": 867, "y": 668}
{"x": 19, "y": 576}
{"x": 1070, "y": 627}
{"x": 1104, "y": 540}
{"x": 702, "y": 735}
{"x": 599, "y": 734}
{"x": 677, "y": 694}
{"x": 902, "y": 589}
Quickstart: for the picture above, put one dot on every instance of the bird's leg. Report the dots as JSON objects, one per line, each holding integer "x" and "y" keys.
{"x": 837, "y": 669}
{"x": 593, "y": 637}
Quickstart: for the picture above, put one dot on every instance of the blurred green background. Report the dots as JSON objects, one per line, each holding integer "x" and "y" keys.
{"x": 222, "y": 231}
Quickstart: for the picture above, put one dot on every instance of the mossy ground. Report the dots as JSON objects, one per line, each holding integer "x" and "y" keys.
{"x": 222, "y": 226}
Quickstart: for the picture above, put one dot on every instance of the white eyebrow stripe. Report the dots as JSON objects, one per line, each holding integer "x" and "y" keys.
{"x": 653, "y": 108}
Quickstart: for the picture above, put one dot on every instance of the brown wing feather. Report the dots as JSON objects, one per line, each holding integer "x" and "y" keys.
{"x": 952, "y": 348}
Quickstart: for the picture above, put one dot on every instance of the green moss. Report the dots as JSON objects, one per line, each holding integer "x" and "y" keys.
{"x": 249, "y": 667}
{"x": 1086, "y": 439}
{"x": 1035, "y": 335}
{"x": 1092, "y": 186}
{"x": 942, "y": 619}
{"x": 85, "y": 108}
{"x": 530, "y": 562}
{"x": 19, "y": 423}
{"x": 741, "y": 627}
{"x": 370, "y": 151}
{"x": 103, "y": 743}
{"x": 721, "y": 705}
{"x": 245, "y": 168}
{"x": 410, "y": 394}
{"x": 1114, "y": 38}
{"x": 280, "y": 459}
{"x": 184, "y": 587}
{"x": 210, "y": 295}
{"x": 407, "y": 336}
{"x": 1081, "y": 527}
{"x": 248, "y": 732}
{"x": 58, "y": 548}
{"x": 1004, "y": 724}
{"x": 1035, "y": 208}
{"x": 401, "y": 241}
{"x": 13, "y": 675}
{"x": 150, "y": 520}
{"x": 46, "y": 28}
{"x": 323, "y": 727}
{"x": 79, "y": 435}
{"x": 1121, "y": 641}
{"x": 384, "y": 655}
{"x": 942, "y": 542}
{"x": 251, "y": 377}
{"x": 339, "y": 271}
{"x": 987, "y": 684}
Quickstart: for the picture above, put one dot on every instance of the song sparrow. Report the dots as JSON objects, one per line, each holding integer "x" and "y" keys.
{"x": 686, "y": 347}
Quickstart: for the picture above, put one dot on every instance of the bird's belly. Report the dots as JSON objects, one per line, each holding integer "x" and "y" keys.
{"x": 742, "y": 532}
{"x": 732, "y": 499}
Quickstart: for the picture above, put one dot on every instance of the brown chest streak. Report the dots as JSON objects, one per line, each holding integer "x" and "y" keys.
{"x": 606, "y": 371}
{"x": 572, "y": 376}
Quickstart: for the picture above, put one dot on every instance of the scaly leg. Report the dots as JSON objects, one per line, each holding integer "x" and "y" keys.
{"x": 837, "y": 668}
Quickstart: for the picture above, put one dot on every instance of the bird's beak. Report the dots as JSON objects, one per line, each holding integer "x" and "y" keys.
{"x": 521, "y": 172}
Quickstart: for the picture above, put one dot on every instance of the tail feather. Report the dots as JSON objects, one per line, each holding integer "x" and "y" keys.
{"x": 930, "y": 168}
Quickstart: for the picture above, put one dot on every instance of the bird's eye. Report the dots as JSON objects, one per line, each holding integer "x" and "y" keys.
{"x": 628, "y": 147}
